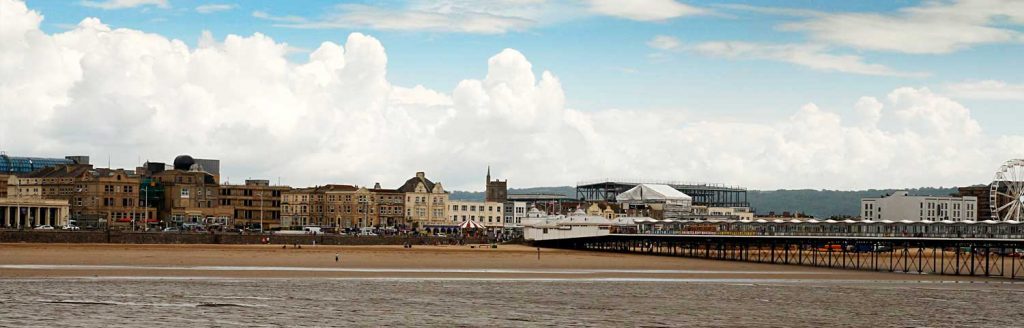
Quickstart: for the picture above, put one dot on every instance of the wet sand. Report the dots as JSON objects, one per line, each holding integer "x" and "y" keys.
{"x": 443, "y": 262}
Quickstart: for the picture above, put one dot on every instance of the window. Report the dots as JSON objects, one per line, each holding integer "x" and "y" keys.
{"x": 184, "y": 192}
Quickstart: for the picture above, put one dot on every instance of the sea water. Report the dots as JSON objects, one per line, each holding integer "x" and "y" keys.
{"x": 516, "y": 302}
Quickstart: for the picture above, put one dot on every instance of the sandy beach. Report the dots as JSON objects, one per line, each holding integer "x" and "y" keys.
{"x": 506, "y": 261}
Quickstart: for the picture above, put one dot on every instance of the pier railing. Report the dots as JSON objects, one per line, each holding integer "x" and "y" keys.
{"x": 946, "y": 256}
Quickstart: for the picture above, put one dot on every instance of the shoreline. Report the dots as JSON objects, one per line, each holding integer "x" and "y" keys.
{"x": 507, "y": 262}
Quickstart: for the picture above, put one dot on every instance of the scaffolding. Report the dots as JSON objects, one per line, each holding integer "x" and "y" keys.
{"x": 703, "y": 194}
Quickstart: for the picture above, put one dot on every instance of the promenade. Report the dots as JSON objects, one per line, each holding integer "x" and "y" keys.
{"x": 116, "y": 237}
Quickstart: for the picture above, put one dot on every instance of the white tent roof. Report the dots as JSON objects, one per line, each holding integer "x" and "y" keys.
{"x": 652, "y": 192}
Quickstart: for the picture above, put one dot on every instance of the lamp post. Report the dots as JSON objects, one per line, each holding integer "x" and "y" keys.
{"x": 362, "y": 221}
{"x": 260, "y": 195}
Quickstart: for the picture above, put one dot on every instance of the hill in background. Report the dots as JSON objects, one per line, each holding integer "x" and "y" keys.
{"x": 818, "y": 203}
{"x": 568, "y": 191}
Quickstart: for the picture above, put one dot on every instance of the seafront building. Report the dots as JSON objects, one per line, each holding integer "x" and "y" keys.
{"x": 390, "y": 207}
{"x": 25, "y": 213}
{"x": 305, "y": 206}
{"x": 351, "y": 206}
{"x": 901, "y": 206}
{"x": 255, "y": 204}
{"x": 488, "y": 214}
{"x": 190, "y": 195}
{"x": 426, "y": 203}
{"x": 14, "y": 165}
{"x": 983, "y": 194}
{"x": 514, "y": 213}
{"x": 96, "y": 196}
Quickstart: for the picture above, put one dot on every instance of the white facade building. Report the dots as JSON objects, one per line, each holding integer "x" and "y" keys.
{"x": 514, "y": 214}
{"x": 901, "y": 206}
{"x": 488, "y": 214}
{"x": 539, "y": 226}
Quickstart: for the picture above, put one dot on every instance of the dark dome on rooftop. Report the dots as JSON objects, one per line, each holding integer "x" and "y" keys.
{"x": 183, "y": 162}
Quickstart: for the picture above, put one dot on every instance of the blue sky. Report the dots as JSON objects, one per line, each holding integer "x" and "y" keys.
{"x": 743, "y": 62}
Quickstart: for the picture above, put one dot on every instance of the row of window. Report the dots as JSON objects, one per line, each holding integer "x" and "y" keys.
{"x": 249, "y": 202}
{"x": 249, "y": 192}
{"x": 490, "y": 219}
{"x": 108, "y": 202}
{"x": 475, "y": 208}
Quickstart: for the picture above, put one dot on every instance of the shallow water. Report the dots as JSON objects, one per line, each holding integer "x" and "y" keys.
{"x": 401, "y": 302}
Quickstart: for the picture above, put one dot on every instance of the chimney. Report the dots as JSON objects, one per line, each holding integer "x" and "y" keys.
{"x": 376, "y": 185}
{"x": 420, "y": 175}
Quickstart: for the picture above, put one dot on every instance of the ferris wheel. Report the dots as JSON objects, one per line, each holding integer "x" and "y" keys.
{"x": 1006, "y": 198}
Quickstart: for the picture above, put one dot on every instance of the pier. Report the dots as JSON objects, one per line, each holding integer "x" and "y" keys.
{"x": 987, "y": 257}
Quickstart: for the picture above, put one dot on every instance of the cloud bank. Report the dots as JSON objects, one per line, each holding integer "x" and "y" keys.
{"x": 336, "y": 118}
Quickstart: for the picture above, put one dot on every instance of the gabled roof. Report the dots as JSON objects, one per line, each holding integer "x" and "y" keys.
{"x": 652, "y": 192}
{"x": 410, "y": 185}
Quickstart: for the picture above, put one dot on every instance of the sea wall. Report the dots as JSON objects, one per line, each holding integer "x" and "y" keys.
{"x": 114, "y": 237}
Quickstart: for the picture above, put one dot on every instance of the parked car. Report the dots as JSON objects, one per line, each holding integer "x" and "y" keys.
{"x": 315, "y": 230}
{"x": 1011, "y": 252}
{"x": 882, "y": 248}
{"x": 172, "y": 229}
{"x": 44, "y": 227}
{"x": 71, "y": 227}
{"x": 441, "y": 235}
{"x": 831, "y": 248}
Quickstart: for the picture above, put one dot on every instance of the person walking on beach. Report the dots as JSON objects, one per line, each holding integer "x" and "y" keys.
{"x": 336, "y": 256}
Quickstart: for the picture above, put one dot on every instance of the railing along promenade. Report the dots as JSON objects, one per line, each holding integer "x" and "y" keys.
{"x": 964, "y": 255}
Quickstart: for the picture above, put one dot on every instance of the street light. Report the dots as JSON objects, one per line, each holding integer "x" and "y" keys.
{"x": 260, "y": 195}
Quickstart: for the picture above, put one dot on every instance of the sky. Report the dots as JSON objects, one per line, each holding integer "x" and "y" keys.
{"x": 761, "y": 94}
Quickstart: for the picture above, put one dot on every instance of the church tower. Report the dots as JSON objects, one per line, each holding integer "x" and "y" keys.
{"x": 496, "y": 190}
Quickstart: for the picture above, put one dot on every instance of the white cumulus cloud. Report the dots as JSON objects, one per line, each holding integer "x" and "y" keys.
{"x": 644, "y": 10}
{"x": 335, "y": 118}
{"x": 809, "y": 55}
{"x": 483, "y": 17}
{"x": 933, "y": 27}
{"x": 214, "y": 7}
{"x": 987, "y": 89}
{"x": 121, "y": 4}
